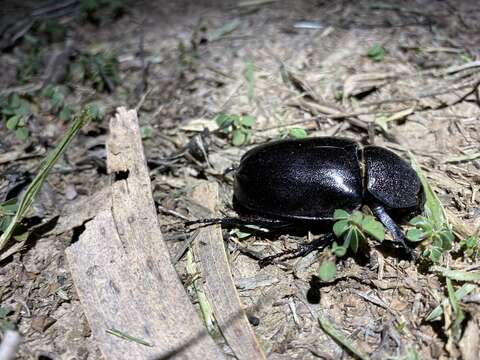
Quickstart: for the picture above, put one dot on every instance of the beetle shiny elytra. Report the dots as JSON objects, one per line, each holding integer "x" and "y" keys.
{"x": 303, "y": 181}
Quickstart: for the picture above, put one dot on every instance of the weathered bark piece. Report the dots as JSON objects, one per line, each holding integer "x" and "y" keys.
{"x": 122, "y": 270}
{"x": 209, "y": 251}
{"x": 83, "y": 210}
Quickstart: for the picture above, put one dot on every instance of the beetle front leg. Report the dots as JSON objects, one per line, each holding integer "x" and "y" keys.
{"x": 397, "y": 233}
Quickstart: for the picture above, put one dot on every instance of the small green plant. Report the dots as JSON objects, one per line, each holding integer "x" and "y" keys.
{"x": 376, "y": 53}
{"x": 49, "y": 31}
{"x": 237, "y": 127}
{"x": 29, "y": 58}
{"x": 56, "y": 96}
{"x": 16, "y": 111}
{"x": 432, "y": 229}
{"x": 437, "y": 239}
{"x": 95, "y": 10}
{"x": 471, "y": 245}
{"x": 294, "y": 133}
{"x": 100, "y": 69}
{"x": 353, "y": 228}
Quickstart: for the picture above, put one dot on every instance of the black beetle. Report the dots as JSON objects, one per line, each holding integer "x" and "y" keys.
{"x": 302, "y": 182}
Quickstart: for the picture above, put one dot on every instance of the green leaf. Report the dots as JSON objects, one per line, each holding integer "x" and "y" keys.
{"x": 434, "y": 253}
{"x": 327, "y": 271}
{"x": 9, "y": 206}
{"x": 460, "y": 294}
{"x": 376, "y": 53}
{"x": 247, "y": 121}
{"x": 339, "y": 251}
{"x": 340, "y": 227}
{"x": 446, "y": 237}
{"x": 357, "y": 217}
{"x": 433, "y": 207}
{"x": 298, "y": 133}
{"x": 22, "y": 133}
{"x": 223, "y": 120}
{"x": 419, "y": 221}
{"x": 95, "y": 110}
{"x": 24, "y": 109}
{"x": 458, "y": 275}
{"x": 236, "y": 120}
{"x": 66, "y": 113}
{"x": 471, "y": 244}
{"x": 457, "y": 311}
{"x": 48, "y": 91}
{"x": 340, "y": 214}
{"x": 415, "y": 235}
{"x": 373, "y": 228}
{"x": 353, "y": 238}
{"x": 15, "y": 101}
{"x": 12, "y": 122}
{"x": 239, "y": 137}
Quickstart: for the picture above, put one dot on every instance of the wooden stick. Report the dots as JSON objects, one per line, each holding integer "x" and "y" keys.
{"x": 209, "y": 250}
{"x": 132, "y": 296}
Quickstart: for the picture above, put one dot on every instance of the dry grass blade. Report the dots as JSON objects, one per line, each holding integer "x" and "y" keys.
{"x": 42, "y": 174}
{"x": 341, "y": 339}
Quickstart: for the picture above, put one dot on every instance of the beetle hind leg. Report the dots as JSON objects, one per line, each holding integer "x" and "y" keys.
{"x": 262, "y": 224}
{"x": 302, "y": 250}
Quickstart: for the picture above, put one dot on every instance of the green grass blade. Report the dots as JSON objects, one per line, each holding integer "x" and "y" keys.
{"x": 456, "y": 327}
{"x": 341, "y": 339}
{"x": 45, "y": 167}
{"x": 205, "y": 306}
{"x": 433, "y": 207}
{"x": 458, "y": 275}
{"x": 460, "y": 294}
{"x": 125, "y": 336}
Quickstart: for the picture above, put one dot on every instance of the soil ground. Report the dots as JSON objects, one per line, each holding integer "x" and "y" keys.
{"x": 181, "y": 67}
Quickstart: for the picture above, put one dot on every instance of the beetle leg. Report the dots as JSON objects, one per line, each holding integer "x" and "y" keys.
{"x": 262, "y": 224}
{"x": 392, "y": 227}
{"x": 302, "y": 250}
